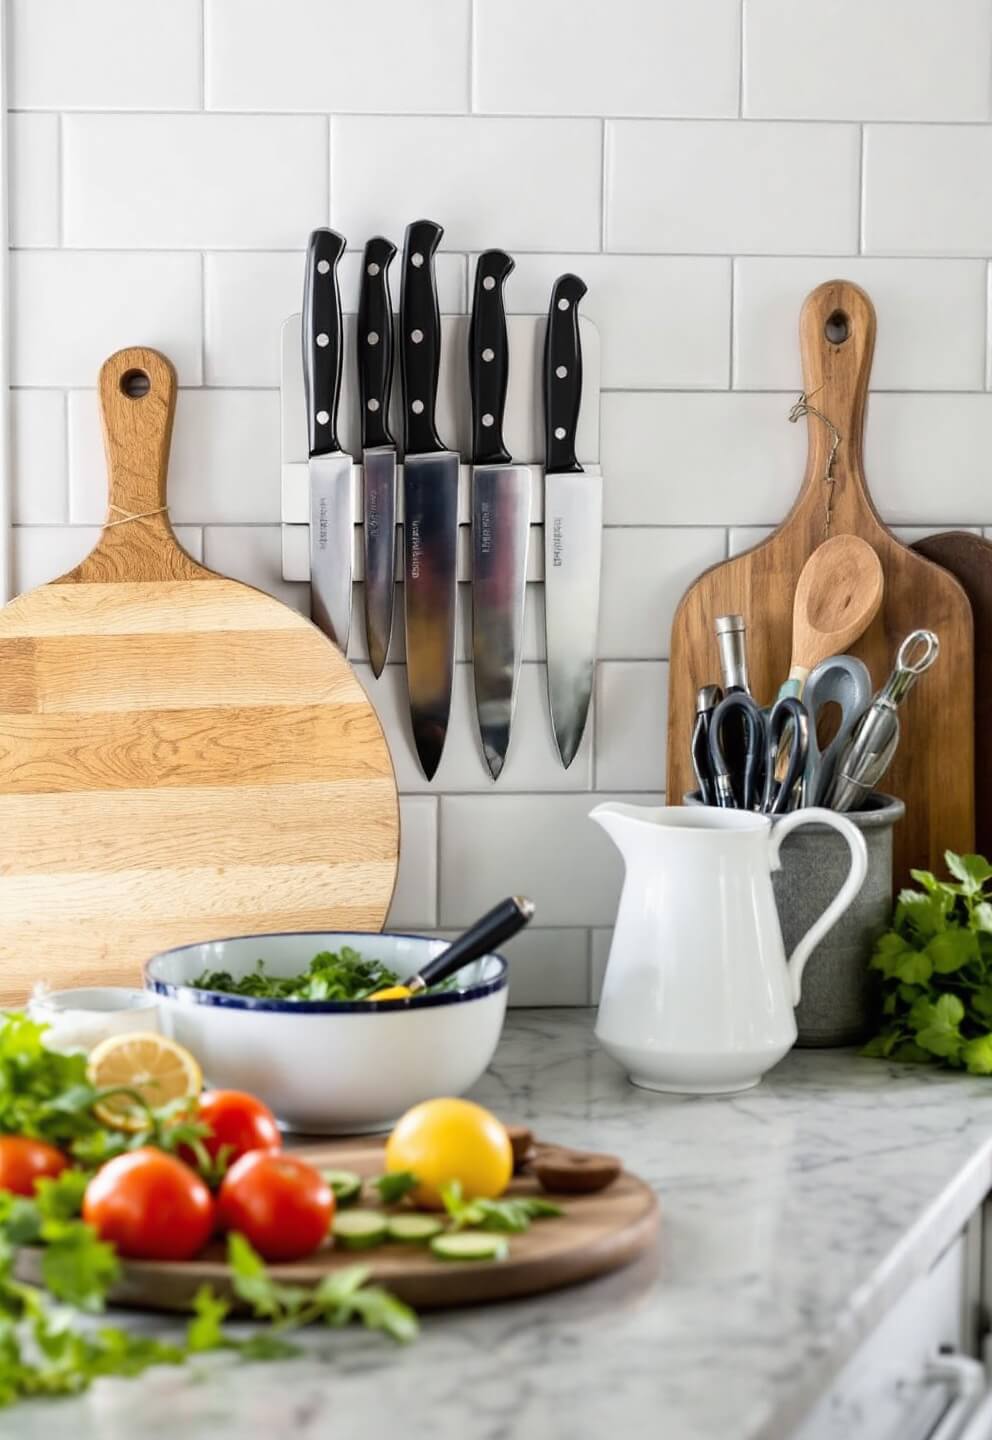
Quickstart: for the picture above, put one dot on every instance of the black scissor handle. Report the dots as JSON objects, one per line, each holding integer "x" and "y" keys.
{"x": 738, "y": 707}
{"x": 789, "y": 717}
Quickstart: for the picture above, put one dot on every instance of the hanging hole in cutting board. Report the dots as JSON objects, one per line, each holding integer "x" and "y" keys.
{"x": 837, "y": 327}
{"x": 135, "y": 384}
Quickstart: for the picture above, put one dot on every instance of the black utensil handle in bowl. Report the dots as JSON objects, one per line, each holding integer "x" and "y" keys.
{"x": 488, "y": 359}
{"x": 497, "y": 925}
{"x": 375, "y": 343}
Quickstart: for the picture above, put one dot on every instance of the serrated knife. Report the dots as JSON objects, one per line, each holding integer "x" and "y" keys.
{"x": 332, "y": 509}
{"x": 430, "y": 500}
{"x": 500, "y": 517}
{"x": 375, "y": 378}
{"x": 573, "y": 527}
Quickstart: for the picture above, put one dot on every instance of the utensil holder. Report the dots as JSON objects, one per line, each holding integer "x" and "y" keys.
{"x": 839, "y": 997}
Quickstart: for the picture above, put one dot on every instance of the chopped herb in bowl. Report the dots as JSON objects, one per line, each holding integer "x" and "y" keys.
{"x": 333, "y": 975}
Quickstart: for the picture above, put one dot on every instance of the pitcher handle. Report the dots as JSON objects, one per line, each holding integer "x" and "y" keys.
{"x": 853, "y": 883}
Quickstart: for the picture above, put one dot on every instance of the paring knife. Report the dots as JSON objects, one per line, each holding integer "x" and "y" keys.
{"x": 500, "y": 517}
{"x": 375, "y": 378}
{"x": 332, "y": 508}
{"x": 430, "y": 498}
{"x": 573, "y": 525}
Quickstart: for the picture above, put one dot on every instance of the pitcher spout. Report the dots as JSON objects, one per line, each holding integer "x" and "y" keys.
{"x": 625, "y": 824}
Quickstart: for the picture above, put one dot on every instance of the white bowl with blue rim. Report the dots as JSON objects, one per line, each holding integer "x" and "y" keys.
{"x": 332, "y": 1067}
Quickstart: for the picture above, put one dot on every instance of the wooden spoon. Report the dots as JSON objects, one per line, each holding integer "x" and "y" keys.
{"x": 838, "y": 596}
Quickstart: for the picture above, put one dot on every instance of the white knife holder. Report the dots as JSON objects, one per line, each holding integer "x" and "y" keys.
{"x": 523, "y": 430}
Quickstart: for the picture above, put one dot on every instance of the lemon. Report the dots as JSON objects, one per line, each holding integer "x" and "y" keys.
{"x": 444, "y": 1140}
{"x": 144, "y": 1061}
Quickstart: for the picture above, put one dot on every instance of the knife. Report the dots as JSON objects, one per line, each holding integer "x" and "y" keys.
{"x": 430, "y": 498}
{"x": 573, "y": 522}
{"x": 375, "y": 378}
{"x": 332, "y": 510}
{"x": 500, "y": 517}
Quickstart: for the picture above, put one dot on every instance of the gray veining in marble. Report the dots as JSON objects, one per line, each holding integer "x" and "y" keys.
{"x": 792, "y": 1218}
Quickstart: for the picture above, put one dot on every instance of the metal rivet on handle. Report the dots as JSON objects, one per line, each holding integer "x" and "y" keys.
{"x": 323, "y": 340}
{"x": 488, "y": 355}
{"x": 489, "y": 283}
{"x": 416, "y": 336}
{"x": 563, "y": 304}
{"x": 487, "y": 420}
{"x": 372, "y": 268}
{"x": 373, "y": 337}
{"x": 322, "y": 417}
{"x": 417, "y": 406}
{"x": 323, "y": 266}
{"x": 560, "y": 432}
{"x": 561, "y": 371}
{"x": 416, "y": 259}
{"x": 372, "y": 405}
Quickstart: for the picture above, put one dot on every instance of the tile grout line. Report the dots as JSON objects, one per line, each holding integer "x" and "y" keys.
{"x": 862, "y": 142}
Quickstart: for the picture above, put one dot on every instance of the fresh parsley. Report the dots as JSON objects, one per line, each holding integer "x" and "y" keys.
{"x": 333, "y": 975}
{"x": 512, "y": 1215}
{"x": 935, "y": 964}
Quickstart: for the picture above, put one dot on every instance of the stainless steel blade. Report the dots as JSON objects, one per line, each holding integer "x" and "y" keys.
{"x": 500, "y": 537}
{"x": 430, "y": 498}
{"x": 379, "y": 469}
{"x": 332, "y": 524}
{"x": 573, "y": 521}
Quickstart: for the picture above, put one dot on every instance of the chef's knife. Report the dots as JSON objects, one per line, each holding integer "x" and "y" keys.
{"x": 573, "y": 521}
{"x": 430, "y": 498}
{"x": 332, "y": 510}
{"x": 375, "y": 378}
{"x": 500, "y": 517}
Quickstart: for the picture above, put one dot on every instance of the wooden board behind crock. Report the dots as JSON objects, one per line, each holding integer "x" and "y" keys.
{"x": 934, "y": 765}
{"x": 597, "y": 1233}
{"x": 182, "y": 757}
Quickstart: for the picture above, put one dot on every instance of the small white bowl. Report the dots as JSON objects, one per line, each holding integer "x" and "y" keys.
{"x": 331, "y": 1067}
{"x": 78, "y": 1019}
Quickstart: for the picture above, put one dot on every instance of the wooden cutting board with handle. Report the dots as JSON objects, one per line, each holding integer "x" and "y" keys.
{"x": 182, "y": 757}
{"x": 969, "y": 559}
{"x": 933, "y": 768}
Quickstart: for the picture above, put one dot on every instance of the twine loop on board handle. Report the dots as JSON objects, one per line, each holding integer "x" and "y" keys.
{"x": 803, "y": 407}
{"x": 127, "y": 517}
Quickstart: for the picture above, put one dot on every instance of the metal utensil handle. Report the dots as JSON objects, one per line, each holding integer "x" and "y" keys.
{"x": 375, "y": 343}
{"x": 497, "y": 925}
{"x": 488, "y": 358}
{"x": 563, "y": 375}
{"x": 322, "y": 340}
{"x": 420, "y": 339}
{"x": 909, "y": 669}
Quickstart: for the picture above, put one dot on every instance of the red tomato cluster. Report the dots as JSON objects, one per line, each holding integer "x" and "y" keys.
{"x": 154, "y": 1206}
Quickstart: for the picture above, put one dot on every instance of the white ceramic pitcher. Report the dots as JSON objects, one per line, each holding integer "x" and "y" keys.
{"x": 698, "y": 996}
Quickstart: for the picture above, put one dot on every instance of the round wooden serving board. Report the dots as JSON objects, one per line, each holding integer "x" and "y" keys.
{"x": 182, "y": 757}
{"x": 597, "y": 1233}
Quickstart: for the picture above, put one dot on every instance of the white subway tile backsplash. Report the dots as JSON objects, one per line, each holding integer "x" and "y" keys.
{"x": 719, "y": 187}
{"x": 663, "y": 319}
{"x": 632, "y": 725}
{"x": 926, "y": 458}
{"x": 253, "y": 553}
{"x": 922, "y": 190}
{"x": 33, "y": 179}
{"x": 543, "y": 846}
{"x": 224, "y": 468}
{"x": 886, "y": 60}
{"x": 239, "y": 182}
{"x": 646, "y": 571}
{"x": 548, "y": 967}
{"x": 70, "y": 310}
{"x": 394, "y": 56}
{"x": 38, "y": 457}
{"x": 414, "y": 904}
{"x": 104, "y": 55}
{"x": 44, "y": 552}
{"x": 931, "y": 321}
{"x": 628, "y": 57}
{"x": 702, "y": 459}
{"x": 601, "y": 941}
{"x": 519, "y": 184}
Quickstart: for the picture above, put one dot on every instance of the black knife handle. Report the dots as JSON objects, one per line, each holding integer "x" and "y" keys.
{"x": 498, "y": 924}
{"x": 375, "y": 343}
{"x": 420, "y": 339}
{"x": 322, "y": 340}
{"x": 489, "y": 359}
{"x": 563, "y": 375}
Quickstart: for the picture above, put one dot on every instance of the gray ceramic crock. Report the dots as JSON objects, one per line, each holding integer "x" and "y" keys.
{"x": 838, "y": 1005}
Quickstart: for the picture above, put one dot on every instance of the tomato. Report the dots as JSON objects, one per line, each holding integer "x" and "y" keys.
{"x": 282, "y": 1205}
{"x": 150, "y": 1206}
{"x": 23, "y": 1162}
{"x": 444, "y": 1140}
{"x": 238, "y": 1121}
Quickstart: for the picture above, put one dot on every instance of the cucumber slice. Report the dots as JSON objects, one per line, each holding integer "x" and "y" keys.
{"x": 414, "y": 1229}
{"x": 346, "y": 1185}
{"x": 470, "y": 1245}
{"x": 359, "y": 1229}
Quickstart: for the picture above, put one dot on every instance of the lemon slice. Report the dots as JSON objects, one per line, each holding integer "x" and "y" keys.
{"x": 157, "y": 1068}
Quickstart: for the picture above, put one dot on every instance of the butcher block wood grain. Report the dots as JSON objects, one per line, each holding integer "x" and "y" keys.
{"x": 182, "y": 757}
{"x": 933, "y": 768}
{"x": 969, "y": 559}
{"x": 596, "y": 1234}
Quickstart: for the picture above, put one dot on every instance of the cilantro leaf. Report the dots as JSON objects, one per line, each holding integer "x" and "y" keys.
{"x": 77, "y": 1266}
{"x": 971, "y": 870}
{"x": 395, "y": 1185}
{"x": 205, "y": 1330}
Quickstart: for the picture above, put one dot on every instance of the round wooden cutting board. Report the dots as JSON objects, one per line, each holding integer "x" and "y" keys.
{"x": 597, "y": 1233}
{"x": 182, "y": 757}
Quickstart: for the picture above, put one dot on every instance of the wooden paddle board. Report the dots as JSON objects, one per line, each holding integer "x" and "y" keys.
{"x": 182, "y": 757}
{"x": 934, "y": 765}
{"x": 596, "y": 1234}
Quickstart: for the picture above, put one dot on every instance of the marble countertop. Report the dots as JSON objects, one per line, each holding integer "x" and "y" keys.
{"x": 792, "y": 1217}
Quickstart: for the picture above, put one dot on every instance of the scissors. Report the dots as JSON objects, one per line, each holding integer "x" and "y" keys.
{"x": 785, "y": 731}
